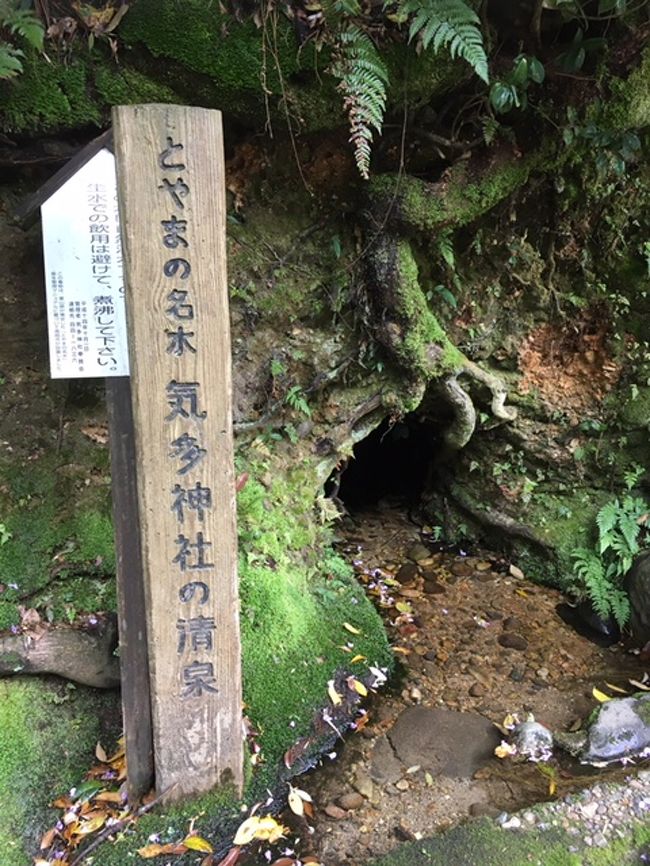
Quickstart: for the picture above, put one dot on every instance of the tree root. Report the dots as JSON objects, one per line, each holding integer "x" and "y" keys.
{"x": 82, "y": 655}
{"x": 462, "y": 428}
{"x": 499, "y": 522}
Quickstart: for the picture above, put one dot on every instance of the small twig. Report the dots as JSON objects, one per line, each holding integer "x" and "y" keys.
{"x": 119, "y": 826}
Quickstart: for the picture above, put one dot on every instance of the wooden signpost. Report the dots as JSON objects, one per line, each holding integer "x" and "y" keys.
{"x": 172, "y": 211}
{"x": 170, "y": 423}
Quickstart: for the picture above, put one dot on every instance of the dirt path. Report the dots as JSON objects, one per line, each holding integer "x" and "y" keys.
{"x": 476, "y": 643}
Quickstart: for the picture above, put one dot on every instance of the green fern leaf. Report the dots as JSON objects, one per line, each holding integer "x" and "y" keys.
{"x": 10, "y": 64}
{"x": 620, "y": 607}
{"x": 24, "y": 23}
{"x": 363, "y": 80}
{"x": 450, "y": 24}
{"x": 607, "y": 517}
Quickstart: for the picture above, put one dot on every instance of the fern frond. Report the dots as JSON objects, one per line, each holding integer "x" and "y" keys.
{"x": 10, "y": 63}
{"x": 25, "y": 23}
{"x": 607, "y": 517}
{"x": 450, "y": 24}
{"x": 620, "y": 607}
{"x": 363, "y": 80}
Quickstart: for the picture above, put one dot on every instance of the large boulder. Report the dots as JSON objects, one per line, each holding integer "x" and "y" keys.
{"x": 637, "y": 584}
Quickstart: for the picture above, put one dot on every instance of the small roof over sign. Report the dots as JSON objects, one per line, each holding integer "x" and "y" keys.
{"x": 27, "y": 212}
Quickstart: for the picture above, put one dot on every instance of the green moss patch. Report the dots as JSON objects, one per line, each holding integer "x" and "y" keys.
{"x": 57, "y": 524}
{"x": 48, "y": 733}
{"x": 485, "y": 843}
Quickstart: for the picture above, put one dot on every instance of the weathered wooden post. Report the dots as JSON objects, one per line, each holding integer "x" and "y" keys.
{"x": 172, "y": 208}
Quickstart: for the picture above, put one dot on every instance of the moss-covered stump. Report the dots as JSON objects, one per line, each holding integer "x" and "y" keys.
{"x": 48, "y": 733}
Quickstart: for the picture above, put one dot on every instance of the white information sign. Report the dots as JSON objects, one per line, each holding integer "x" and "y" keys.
{"x": 83, "y": 274}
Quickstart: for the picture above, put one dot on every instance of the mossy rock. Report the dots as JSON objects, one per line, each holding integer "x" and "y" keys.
{"x": 209, "y": 59}
{"x": 48, "y": 733}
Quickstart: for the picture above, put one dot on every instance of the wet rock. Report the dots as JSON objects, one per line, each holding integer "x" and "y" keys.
{"x": 621, "y": 730}
{"x": 510, "y": 640}
{"x": 385, "y": 767}
{"x": 483, "y": 810}
{"x": 334, "y": 811}
{"x": 418, "y": 552}
{"x": 407, "y": 573}
{"x": 462, "y": 568}
{"x": 493, "y": 615}
{"x": 432, "y": 587}
{"x": 431, "y": 655}
{"x": 637, "y": 584}
{"x": 533, "y": 741}
{"x": 351, "y": 801}
{"x": 443, "y": 742}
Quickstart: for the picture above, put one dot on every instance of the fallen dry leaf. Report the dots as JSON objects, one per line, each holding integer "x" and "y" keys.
{"x": 197, "y": 843}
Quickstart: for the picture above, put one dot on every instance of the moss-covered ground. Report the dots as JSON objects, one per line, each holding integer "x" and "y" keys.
{"x": 48, "y": 732}
{"x": 485, "y": 844}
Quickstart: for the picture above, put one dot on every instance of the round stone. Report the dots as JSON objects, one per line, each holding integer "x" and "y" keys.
{"x": 511, "y": 640}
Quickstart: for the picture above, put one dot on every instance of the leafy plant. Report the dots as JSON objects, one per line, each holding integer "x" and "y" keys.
{"x": 5, "y": 535}
{"x": 442, "y": 24}
{"x": 16, "y": 22}
{"x": 364, "y": 79}
{"x": 623, "y": 531}
{"x": 295, "y": 397}
{"x": 450, "y": 24}
{"x": 511, "y": 91}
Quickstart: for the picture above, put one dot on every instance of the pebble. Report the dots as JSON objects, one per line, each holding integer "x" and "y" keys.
{"x": 334, "y": 811}
{"x": 351, "y": 801}
{"x": 407, "y": 573}
{"x": 516, "y": 572}
{"x": 461, "y": 569}
{"x": 364, "y": 785}
{"x": 432, "y": 587}
{"x": 516, "y": 675}
{"x": 477, "y": 690}
{"x": 417, "y": 552}
{"x": 402, "y": 785}
{"x": 512, "y": 624}
{"x": 510, "y": 640}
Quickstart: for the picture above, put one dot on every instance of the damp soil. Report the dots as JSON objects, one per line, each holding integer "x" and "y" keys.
{"x": 477, "y": 641}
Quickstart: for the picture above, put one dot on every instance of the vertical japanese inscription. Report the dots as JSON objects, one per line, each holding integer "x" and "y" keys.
{"x": 171, "y": 185}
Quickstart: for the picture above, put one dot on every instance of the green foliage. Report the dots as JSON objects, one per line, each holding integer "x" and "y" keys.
{"x": 295, "y": 397}
{"x": 511, "y": 91}
{"x": 364, "y": 79}
{"x": 18, "y": 23}
{"x": 450, "y": 24}
{"x": 613, "y": 150}
{"x": 623, "y": 531}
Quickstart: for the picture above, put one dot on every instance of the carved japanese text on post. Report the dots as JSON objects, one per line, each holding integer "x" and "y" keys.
{"x": 171, "y": 183}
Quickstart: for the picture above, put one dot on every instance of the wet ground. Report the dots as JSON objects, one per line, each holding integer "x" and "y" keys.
{"x": 475, "y": 641}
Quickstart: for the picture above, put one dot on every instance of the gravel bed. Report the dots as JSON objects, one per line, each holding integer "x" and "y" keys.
{"x": 597, "y": 816}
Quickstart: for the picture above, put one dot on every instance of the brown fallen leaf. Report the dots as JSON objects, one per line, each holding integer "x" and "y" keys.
{"x": 48, "y": 839}
{"x": 157, "y": 850}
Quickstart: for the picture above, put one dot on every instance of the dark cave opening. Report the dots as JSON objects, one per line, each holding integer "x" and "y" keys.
{"x": 394, "y": 462}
